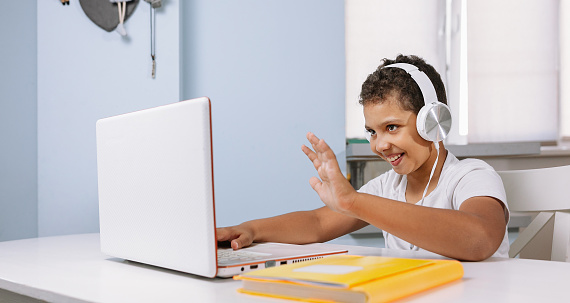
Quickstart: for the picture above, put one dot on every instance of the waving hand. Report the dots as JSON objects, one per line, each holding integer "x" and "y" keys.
{"x": 332, "y": 187}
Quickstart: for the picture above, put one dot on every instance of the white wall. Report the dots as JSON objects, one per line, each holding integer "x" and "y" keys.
{"x": 273, "y": 69}
{"x": 18, "y": 139}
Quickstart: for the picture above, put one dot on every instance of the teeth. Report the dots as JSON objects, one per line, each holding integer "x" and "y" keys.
{"x": 392, "y": 159}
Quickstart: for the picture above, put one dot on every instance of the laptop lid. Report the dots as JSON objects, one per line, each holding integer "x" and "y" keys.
{"x": 156, "y": 192}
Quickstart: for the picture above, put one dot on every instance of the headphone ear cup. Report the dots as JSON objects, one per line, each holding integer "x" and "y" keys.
{"x": 434, "y": 121}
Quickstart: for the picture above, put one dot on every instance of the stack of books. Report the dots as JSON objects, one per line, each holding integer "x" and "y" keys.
{"x": 346, "y": 278}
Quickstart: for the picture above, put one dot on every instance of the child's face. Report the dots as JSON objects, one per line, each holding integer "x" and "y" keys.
{"x": 394, "y": 136}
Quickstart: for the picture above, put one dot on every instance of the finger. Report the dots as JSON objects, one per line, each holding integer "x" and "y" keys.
{"x": 315, "y": 183}
{"x": 312, "y": 138}
{"x": 309, "y": 152}
{"x": 236, "y": 244}
{"x": 325, "y": 152}
{"x": 312, "y": 156}
{"x": 222, "y": 234}
{"x": 321, "y": 147}
{"x": 317, "y": 164}
{"x": 322, "y": 171}
{"x": 241, "y": 242}
{"x": 226, "y": 234}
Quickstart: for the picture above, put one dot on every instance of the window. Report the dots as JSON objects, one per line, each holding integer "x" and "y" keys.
{"x": 377, "y": 29}
{"x": 502, "y": 61}
{"x": 564, "y": 19}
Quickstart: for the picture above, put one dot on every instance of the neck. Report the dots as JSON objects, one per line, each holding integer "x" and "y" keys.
{"x": 420, "y": 178}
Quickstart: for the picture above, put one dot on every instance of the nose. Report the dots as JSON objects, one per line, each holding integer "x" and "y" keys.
{"x": 379, "y": 144}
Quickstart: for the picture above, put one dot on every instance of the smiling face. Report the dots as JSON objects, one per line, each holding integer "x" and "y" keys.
{"x": 394, "y": 137}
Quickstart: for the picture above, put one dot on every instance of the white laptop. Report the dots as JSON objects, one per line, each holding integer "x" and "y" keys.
{"x": 156, "y": 195}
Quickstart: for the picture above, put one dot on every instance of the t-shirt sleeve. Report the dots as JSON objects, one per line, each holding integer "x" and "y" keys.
{"x": 478, "y": 183}
{"x": 372, "y": 187}
{"x": 375, "y": 186}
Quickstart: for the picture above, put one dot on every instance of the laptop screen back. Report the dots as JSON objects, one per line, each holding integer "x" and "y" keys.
{"x": 156, "y": 195}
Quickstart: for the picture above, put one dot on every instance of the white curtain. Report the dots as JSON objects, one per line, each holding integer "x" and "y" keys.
{"x": 507, "y": 52}
{"x": 377, "y": 29}
{"x": 565, "y": 70}
{"x": 513, "y": 60}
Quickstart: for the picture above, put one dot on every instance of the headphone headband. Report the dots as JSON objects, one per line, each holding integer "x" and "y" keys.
{"x": 433, "y": 121}
{"x": 423, "y": 81}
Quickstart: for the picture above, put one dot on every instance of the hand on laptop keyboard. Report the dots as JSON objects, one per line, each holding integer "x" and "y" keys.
{"x": 228, "y": 254}
{"x": 237, "y": 236}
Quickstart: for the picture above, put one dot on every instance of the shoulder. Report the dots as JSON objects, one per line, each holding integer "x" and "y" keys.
{"x": 475, "y": 170}
{"x": 460, "y": 168}
{"x": 471, "y": 178}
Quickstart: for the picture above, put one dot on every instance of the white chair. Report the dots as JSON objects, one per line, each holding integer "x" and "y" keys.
{"x": 546, "y": 191}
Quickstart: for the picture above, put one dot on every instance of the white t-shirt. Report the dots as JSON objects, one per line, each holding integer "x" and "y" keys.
{"x": 458, "y": 181}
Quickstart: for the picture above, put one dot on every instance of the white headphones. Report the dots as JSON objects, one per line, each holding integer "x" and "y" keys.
{"x": 434, "y": 119}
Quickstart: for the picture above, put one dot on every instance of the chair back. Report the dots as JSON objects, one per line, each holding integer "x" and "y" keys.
{"x": 543, "y": 189}
{"x": 546, "y": 191}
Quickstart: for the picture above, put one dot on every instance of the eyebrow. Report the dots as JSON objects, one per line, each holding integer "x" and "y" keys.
{"x": 389, "y": 121}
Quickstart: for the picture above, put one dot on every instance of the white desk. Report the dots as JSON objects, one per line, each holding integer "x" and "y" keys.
{"x": 72, "y": 269}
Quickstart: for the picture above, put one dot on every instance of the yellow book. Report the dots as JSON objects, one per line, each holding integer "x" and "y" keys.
{"x": 345, "y": 278}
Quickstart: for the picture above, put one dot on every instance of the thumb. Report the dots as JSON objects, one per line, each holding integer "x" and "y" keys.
{"x": 236, "y": 244}
{"x": 240, "y": 242}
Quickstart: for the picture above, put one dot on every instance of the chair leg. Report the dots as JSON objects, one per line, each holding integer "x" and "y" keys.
{"x": 529, "y": 232}
{"x": 561, "y": 236}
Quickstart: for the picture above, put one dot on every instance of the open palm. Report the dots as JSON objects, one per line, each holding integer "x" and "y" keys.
{"x": 332, "y": 187}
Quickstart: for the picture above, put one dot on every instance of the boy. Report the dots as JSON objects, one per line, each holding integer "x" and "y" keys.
{"x": 464, "y": 212}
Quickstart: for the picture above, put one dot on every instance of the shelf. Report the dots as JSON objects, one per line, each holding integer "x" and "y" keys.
{"x": 362, "y": 152}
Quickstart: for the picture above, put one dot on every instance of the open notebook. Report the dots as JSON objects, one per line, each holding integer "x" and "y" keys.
{"x": 156, "y": 195}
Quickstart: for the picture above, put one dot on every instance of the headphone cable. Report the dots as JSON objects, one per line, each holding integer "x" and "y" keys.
{"x": 436, "y": 144}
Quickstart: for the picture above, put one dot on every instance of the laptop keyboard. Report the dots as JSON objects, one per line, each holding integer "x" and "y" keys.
{"x": 228, "y": 254}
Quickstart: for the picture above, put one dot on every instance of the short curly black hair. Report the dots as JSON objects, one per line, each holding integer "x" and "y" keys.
{"x": 397, "y": 82}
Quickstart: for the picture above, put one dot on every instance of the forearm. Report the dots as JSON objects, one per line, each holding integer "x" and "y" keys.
{"x": 288, "y": 228}
{"x": 456, "y": 234}
{"x": 319, "y": 225}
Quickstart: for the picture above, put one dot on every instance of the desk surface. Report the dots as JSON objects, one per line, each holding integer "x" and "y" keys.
{"x": 72, "y": 269}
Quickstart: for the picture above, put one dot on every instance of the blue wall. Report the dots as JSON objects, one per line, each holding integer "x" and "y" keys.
{"x": 84, "y": 74}
{"x": 18, "y": 127}
{"x": 274, "y": 70}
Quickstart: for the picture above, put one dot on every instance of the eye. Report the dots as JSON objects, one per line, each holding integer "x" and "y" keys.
{"x": 391, "y": 127}
{"x": 368, "y": 133}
